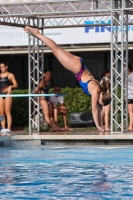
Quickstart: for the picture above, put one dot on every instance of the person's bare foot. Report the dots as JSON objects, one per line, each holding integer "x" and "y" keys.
{"x": 99, "y": 129}
{"x": 130, "y": 130}
{"x": 68, "y": 129}
{"x": 60, "y": 128}
{"x": 107, "y": 130}
{"x": 32, "y": 31}
{"x": 57, "y": 130}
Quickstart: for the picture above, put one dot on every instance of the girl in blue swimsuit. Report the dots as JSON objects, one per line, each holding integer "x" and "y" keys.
{"x": 100, "y": 96}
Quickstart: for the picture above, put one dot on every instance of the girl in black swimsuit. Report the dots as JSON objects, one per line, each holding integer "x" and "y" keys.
{"x": 43, "y": 87}
{"x": 7, "y": 83}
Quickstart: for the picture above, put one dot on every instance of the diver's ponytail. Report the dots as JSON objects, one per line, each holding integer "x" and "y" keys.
{"x": 103, "y": 85}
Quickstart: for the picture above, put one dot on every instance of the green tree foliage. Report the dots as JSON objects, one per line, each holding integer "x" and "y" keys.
{"x": 20, "y": 109}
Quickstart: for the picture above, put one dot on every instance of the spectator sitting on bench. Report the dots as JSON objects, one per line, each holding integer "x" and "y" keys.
{"x": 58, "y": 107}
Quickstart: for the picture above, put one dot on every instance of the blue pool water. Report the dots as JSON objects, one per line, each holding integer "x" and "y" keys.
{"x": 66, "y": 173}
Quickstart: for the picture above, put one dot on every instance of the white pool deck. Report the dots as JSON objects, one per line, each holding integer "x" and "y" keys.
{"x": 87, "y": 137}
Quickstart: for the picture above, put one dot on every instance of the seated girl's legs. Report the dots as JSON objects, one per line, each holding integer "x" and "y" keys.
{"x": 2, "y": 110}
{"x": 45, "y": 109}
{"x": 50, "y": 110}
{"x": 63, "y": 113}
{"x": 70, "y": 62}
{"x": 65, "y": 122}
{"x": 8, "y": 106}
{"x": 55, "y": 116}
{"x": 130, "y": 112}
{"x": 52, "y": 119}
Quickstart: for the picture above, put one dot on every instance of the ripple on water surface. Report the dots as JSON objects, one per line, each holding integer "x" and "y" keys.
{"x": 66, "y": 173}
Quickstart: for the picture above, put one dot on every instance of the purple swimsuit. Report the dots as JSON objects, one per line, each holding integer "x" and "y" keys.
{"x": 79, "y": 74}
{"x": 84, "y": 85}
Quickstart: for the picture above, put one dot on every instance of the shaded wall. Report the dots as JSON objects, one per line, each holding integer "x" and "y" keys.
{"x": 18, "y": 65}
{"x": 95, "y": 61}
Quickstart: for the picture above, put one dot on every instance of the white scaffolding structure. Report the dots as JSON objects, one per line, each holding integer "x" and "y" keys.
{"x": 73, "y": 13}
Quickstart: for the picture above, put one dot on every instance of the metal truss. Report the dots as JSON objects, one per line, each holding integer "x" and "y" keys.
{"x": 56, "y": 8}
{"x": 36, "y": 69}
{"x": 56, "y": 13}
{"x": 73, "y": 13}
{"x": 119, "y": 57}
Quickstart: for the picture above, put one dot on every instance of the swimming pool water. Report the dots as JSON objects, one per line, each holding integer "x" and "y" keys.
{"x": 66, "y": 173}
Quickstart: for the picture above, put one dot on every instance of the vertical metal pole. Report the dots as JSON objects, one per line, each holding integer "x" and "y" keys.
{"x": 122, "y": 63}
{"x": 37, "y": 78}
{"x": 42, "y": 68}
{"x": 29, "y": 86}
{"x": 42, "y": 50}
{"x": 117, "y": 47}
{"x": 112, "y": 49}
{"x": 34, "y": 76}
{"x": 126, "y": 84}
{"x": 116, "y": 64}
